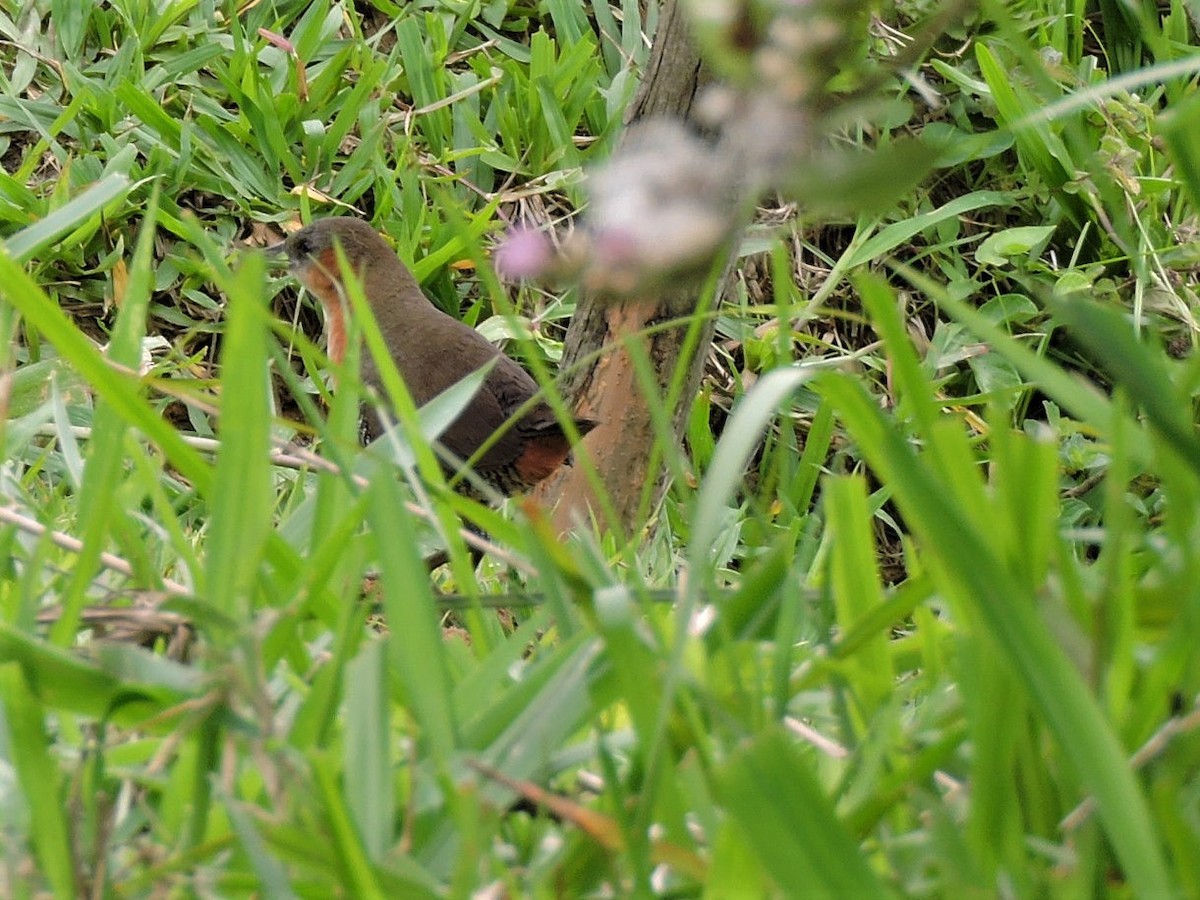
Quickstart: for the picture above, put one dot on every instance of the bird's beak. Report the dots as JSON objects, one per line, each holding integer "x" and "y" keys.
{"x": 277, "y": 256}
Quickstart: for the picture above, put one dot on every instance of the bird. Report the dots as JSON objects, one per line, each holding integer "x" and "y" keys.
{"x": 432, "y": 351}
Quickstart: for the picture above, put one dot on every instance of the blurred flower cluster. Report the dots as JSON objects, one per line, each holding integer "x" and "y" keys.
{"x": 675, "y": 193}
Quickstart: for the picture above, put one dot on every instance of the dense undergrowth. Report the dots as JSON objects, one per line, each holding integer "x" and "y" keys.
{"x": 932, "y": 581}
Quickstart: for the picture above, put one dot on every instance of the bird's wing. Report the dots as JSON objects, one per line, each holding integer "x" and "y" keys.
{"x": 482, "y": 418}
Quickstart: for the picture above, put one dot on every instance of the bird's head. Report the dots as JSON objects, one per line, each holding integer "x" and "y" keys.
{"x": 313, "y": 247}
{"x": 312, "y": 257}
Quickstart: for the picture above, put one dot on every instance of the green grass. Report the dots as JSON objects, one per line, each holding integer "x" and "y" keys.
{"x": 918, "y": 614}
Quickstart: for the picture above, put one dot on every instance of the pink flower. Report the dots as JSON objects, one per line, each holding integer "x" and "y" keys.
{"x": 524, "y": 253}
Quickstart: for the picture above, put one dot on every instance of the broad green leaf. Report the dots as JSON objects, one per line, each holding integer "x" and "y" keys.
{"x": 998, "y": 248}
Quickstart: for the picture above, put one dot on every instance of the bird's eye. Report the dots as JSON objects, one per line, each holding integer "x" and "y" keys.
{"x": 302, "y": 246}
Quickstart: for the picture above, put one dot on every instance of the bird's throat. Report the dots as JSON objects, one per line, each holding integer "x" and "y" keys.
{"x": 335, "y": 327}
{"x": 318, "y": 277}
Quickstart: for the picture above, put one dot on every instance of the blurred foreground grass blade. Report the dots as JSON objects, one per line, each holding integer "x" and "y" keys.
{"x": 994, "y": 828}
{"x": 308, "y": 850}
{"x": 1178, "y": 128}
{"x": 106, "y": 450}
{"x": 601, "y": 828}
{"x": 370, "y": 794}
{"x": 357, "y": 873}
{"x": 74, "y": 213}
{"x": 27, "y": 748}
{"x": 985, "y": 592}
{"x": 125, "y": 684}
{"x": 243, "y": 495}
{"x": 770, "y": 791}
{"x": 1025, "y": 474}
{"x": 120, "y": 389}
{"x": 735, "y": 870}
{"x": 858, "y": 593}
{"x": 650, "y": 700}
{"x": 959, "y": 530}
{"x": 743, "y": 433}
{"x": 1134, "y": 365}
{"x": 415, "y": 649}
{"x": 849, "y": 179}
{"x": 272, "y": 879}
{"x": 1081, "y": 397}
{"x": 515, "y": 725}
{"x": 755, "y": 602}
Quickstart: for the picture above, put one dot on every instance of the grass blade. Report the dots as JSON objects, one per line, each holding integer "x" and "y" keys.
{"x": 28, "y": 748}
{"x": 769, "y": 790}
{"x": 25, "y": 243}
